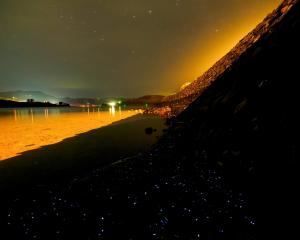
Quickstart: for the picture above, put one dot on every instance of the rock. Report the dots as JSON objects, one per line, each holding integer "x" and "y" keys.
{"x": 149, "y": 130}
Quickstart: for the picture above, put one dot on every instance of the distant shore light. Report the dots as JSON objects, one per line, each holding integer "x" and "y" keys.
{"x": 112, "y": 104}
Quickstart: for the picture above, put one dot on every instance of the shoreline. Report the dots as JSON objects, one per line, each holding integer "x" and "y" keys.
{"x": 85, "y": 151}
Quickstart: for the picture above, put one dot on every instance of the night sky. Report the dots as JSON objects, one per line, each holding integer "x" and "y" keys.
{"x": 100, "y": 48}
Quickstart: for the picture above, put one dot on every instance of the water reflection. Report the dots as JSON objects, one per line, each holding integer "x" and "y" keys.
{"x": 46, "y": 113}
{"x": 112, "y": 110}
{"x": 15, "y": 114}
{"x": 27, "y": 129}
{"x": 31, "y": 114}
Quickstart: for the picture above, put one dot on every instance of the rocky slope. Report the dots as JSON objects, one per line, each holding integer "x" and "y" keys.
{"x": 182, "y": 99}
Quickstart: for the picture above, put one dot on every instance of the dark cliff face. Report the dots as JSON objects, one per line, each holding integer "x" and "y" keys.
{"x": 259, "y": 94}
{"x": 247, "y": 121}
{"x": 255, "y": 103}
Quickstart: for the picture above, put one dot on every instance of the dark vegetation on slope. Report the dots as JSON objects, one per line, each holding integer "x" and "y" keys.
{"x": 230, "y": 154}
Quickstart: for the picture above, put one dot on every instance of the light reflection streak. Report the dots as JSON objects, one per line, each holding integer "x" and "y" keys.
{"x": 112, "y": 110}
{"x": 31, "y": 114}
{"x": 46, "y": 112}
{"x": 15, "y": 115}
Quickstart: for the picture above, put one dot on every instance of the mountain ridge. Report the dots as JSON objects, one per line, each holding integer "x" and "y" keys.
{"x": 40, "y": 96}
{"x": 22, "y": 95}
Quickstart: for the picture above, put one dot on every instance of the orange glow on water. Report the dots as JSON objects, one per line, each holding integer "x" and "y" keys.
{"x": 23, "y": 130}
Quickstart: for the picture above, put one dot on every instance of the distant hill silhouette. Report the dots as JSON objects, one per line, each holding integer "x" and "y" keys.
{"x": 39, "y": 96}
{"x": 82, "y": 101}
{"x": 148, "y": 99}
{"x": 24, "y": 95}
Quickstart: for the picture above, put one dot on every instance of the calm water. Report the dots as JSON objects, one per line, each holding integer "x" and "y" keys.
{"x": 27, "y": 129}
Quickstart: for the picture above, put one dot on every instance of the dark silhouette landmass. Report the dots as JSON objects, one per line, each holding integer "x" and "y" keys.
{"x": 24, "y": 95}
{"x": 140, "y": 101}
{"x": 29, "y": 104}
{"x": 225, "y": 168}
{"x": 147, "y": 99}
{"x": 21, "y": 96}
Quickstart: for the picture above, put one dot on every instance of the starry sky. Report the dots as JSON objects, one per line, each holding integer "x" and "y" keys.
{"x": 121, "y": 48}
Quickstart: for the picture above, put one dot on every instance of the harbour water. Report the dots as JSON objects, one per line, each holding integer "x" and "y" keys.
{"x": 27, "y": 129}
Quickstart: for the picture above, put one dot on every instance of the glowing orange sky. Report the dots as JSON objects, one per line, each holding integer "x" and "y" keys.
{"x": 119, "y": 48}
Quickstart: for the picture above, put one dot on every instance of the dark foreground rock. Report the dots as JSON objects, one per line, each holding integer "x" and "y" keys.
{"x": 226, "y": 167}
